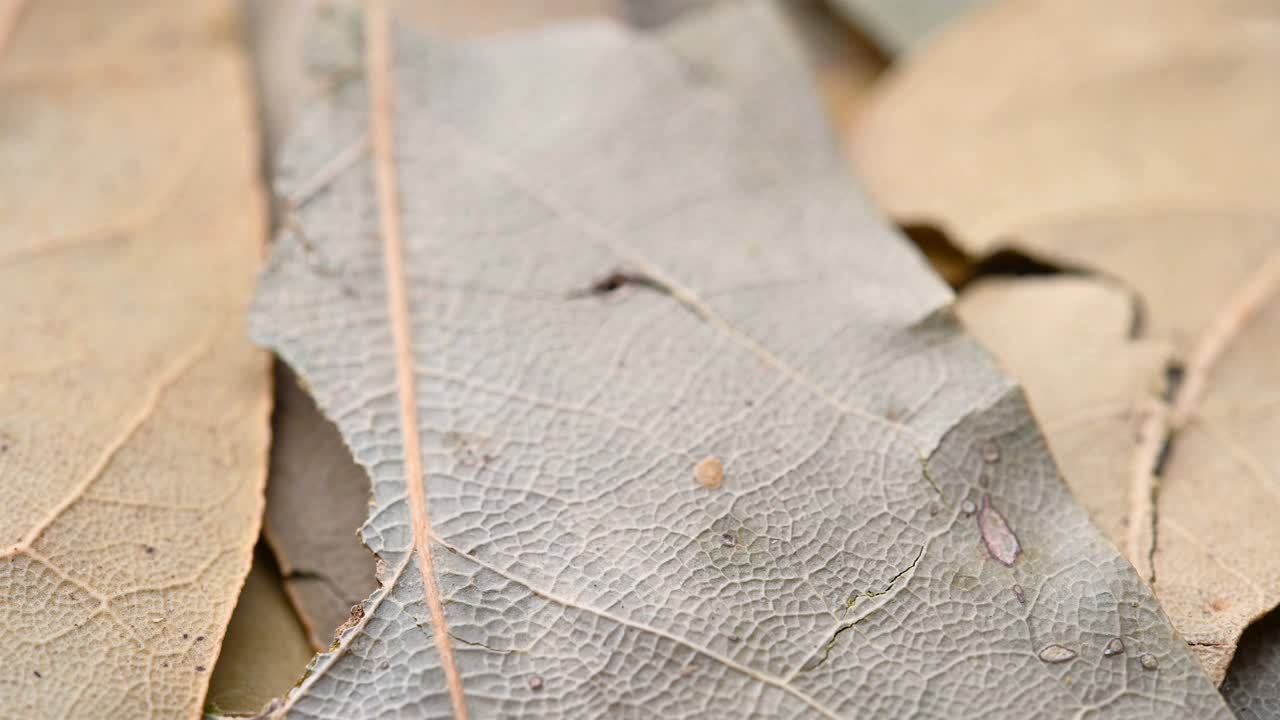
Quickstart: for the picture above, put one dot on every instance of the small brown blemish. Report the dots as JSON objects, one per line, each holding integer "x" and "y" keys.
{"x": 37, "y": 674}
{"x": 199, "y": 668}
{"x": 1219, "y": 604}
{"x": 710, "y": 473}
{"x": 357, "y": 614}
{"x": 470, "y": 449}
{"x": 199, "y": 638}
{"x": 148, "y": 549}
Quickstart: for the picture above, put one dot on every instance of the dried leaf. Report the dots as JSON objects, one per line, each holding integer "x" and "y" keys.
{"x": 1165, "y": 105}
{"x": 583, "y": 262}
{"x": 311, "y": 532}
{"x": 1069, "y": 340}
{"x": 133, "y": 410}
{"x": 1252, "y": 687}
{"x": 318, "y": 496}
{"x": 280, "y": 30}
{"x": 1149, "y": 160}
{"x": 317, "y": 499}
{"x": 266, "y": 648}
{"x": 844, "y": 62}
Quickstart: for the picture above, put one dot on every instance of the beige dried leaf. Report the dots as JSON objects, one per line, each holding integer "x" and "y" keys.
{"x": 133, "y": 410}
{"x": 1140, "y": 149}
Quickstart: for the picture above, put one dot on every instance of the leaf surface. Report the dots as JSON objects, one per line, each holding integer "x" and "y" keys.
{"x": 1252, "y": 687}
{"x": 317, "y": 499}
{"x": 1147, "y": 159}
{"x": 900, "y": 25}
{"x": 587, "y": 270}
{"x": 318, "y": 496}
{"x": 312, "y": 531}
{"x": 133, "y": 409}
{"x": 265, "y": 649}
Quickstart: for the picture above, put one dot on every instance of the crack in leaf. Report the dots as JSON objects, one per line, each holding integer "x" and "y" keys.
{"x": 815, "y": 660}
{"x": 1185, "y": 387}
{"x": 594, "y": 230}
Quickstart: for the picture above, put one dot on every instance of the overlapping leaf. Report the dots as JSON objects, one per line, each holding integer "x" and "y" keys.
{"x": 133, "y": 409}
{"x": 585, "y": 263}
{"x": 1146, "y": 159}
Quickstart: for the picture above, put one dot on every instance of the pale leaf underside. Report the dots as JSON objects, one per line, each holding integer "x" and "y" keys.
{"x": 626, "y": 257}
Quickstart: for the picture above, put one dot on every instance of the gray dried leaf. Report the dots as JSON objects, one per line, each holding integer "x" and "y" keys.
{"x": 1252, "y": 687}
{"x": 583, "y": 262}
{"x": 900, "y": 25}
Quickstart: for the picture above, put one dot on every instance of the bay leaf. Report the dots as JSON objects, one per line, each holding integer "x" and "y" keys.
{"x": 133, "y": 409}
{"x": 584, "y": 263}
{"x": 1147, "y": 159}
{"x": 317, "y": 496}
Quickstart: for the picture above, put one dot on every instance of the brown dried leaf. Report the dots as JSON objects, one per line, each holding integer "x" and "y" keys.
{"x": 316, "y": 502}
{"x": 266, "y": 649}
{"x": 1147, "y": 158}
{"x": 133, "y": 410}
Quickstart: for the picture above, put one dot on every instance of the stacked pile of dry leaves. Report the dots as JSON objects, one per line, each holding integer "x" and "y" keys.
{"x": 617, "y": 371}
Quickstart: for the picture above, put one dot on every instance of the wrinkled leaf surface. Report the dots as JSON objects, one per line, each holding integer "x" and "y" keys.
{"x": 587, "y": 270}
